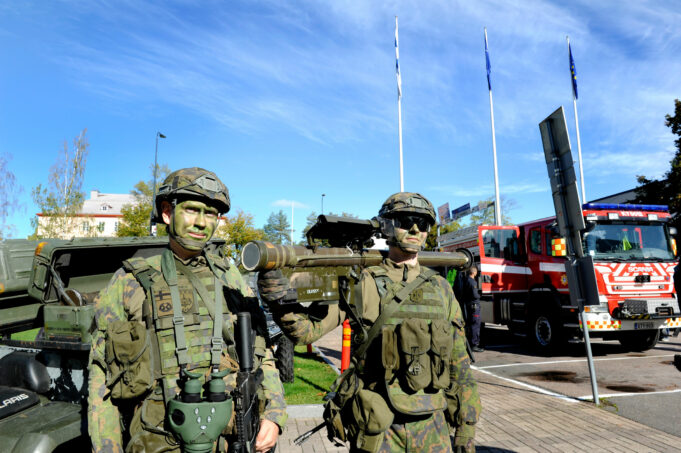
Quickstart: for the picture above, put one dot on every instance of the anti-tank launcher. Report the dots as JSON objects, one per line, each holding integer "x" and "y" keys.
{"x": 320, "y": 273}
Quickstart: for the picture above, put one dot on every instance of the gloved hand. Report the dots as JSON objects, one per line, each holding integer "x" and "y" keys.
{"x": 464, "y": 444}
{"x": 272, "y": 285}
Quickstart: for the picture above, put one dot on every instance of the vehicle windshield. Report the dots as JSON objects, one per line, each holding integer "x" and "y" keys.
{"x": 628, "y": 241}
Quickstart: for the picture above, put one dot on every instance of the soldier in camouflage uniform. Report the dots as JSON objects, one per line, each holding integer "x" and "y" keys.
{"x": 412, "y": 366}
{"x": 127, "y": 402}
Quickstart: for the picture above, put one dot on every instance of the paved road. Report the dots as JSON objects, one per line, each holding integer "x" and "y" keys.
{"x": 645, "y": 387}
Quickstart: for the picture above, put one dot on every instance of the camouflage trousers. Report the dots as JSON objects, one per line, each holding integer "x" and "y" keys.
{"x": 424, "y": 436}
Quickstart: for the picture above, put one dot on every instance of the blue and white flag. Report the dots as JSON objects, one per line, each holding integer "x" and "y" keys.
{"x": 489, "y": 67}
{"x": 573, "y": 73}
{"x": 397, "y": 63}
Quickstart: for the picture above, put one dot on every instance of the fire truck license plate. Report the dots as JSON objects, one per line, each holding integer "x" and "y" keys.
{"x": 644, "y": 325}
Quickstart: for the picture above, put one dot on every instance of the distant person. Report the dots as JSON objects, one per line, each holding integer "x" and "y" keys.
{"x": 470, "y": 298}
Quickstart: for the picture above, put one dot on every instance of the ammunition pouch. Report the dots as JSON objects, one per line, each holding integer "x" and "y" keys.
{"x": 129, "y": 360}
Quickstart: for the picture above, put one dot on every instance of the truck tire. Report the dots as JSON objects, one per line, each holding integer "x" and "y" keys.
{"x": 283, "y": 355}
{"x": 544, "y": 331}
{"x": 639, "y": 340}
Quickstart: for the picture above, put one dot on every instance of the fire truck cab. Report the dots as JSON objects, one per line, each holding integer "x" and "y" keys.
{"x": 524, "y": 285}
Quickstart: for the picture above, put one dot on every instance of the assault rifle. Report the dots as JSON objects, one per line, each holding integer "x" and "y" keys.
{"x": 319, "y": 273}
{"x": 245, "y": 395}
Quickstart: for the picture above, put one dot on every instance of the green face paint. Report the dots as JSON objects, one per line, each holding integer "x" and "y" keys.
{"x": 411, "y": 240}
{"x": 193, "y": 224}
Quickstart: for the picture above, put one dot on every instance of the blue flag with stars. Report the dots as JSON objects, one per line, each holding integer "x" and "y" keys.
{"x": 573, "y": 73}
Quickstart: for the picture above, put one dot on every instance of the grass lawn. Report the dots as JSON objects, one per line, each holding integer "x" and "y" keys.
{"x": 313, "y": 378}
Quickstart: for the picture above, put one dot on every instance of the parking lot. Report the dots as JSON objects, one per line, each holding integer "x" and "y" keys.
{"x": 642, "y": 386}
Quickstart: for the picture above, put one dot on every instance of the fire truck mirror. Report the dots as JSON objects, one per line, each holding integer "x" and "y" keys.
{"x": 673, "y": 231}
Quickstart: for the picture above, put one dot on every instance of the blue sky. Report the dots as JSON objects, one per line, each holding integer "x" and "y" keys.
{"x": 286, "y": 101}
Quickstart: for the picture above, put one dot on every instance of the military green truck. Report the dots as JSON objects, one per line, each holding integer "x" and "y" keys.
{"x": 47, "y": 291}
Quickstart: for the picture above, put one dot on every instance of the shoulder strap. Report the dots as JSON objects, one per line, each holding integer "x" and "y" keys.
{"x": 390, "y": 303}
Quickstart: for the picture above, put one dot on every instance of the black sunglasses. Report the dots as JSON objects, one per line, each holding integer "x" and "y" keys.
{"x": 407, "y": 221}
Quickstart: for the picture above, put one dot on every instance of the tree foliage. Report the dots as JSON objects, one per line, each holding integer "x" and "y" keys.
{"x": 9, "y": 193}
{"x": 61, "y": 200}
{"x": 667, "y": 190}
{"x": 136, "y": 216}
{"x": 277, "y": 229}
{"x": 431, "y": 240}
{"x": 238, "y": 230}
{"x": 486, "y": 216}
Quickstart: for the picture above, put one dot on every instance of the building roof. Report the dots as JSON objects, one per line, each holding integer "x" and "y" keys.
{"x": 106, "y": 203}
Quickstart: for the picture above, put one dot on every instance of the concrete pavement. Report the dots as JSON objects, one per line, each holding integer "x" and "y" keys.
{"x": 514, "y": 418}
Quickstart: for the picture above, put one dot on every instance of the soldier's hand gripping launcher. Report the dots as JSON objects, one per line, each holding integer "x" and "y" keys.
{"x": 317, "y": 272}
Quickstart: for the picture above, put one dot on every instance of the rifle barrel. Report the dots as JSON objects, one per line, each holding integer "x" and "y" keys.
{"x": 263, "y": 255}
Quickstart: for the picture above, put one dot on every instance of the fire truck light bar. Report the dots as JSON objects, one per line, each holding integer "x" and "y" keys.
{"x": 627, "y": 207}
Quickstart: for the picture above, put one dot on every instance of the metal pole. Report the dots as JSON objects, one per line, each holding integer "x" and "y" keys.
{"x": 153, "y": 198}
{"x": 323, "y": 195}
{"x": 399, "y": 105}
{"x": 497, "y": 203}
{"x": 291, "y": 223}
{"x": 579, "y": 142}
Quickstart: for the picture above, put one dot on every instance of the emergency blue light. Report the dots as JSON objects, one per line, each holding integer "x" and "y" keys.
{"x": 627, "y": 207}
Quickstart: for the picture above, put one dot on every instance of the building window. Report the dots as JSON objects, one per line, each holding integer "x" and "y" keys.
{"x": 86, "y": 227}
{"x": 100, "y": 227}
{"x": 115, "y": 226}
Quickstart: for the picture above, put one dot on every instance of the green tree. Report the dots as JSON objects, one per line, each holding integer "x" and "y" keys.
{"x": 277, "y": 229}
{"x": 486, "y": 215}
{"x": 238, "y": 230}
{"x": 61, "y": 200}
{"x": 136, "y": 215}
{"x": 9, "y": 193}
{"x": 667, "y": 190}
{"x": 431, "y": 240}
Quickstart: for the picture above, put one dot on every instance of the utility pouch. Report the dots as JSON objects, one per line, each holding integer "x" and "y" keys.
{"x": 441, "y": 344}
{"x": 129, "y": 359}
{"x": 372, "y": 417}
{"x": 414, "y": 343}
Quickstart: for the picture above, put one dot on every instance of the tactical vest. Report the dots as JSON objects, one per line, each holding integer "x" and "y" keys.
{"x": 201, "y": 347}
{"x": 416, "y": 342}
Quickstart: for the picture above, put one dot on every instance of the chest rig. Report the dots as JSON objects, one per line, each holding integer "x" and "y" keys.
{"x": 416, "y": 342}
{"x": 189, "y": 330}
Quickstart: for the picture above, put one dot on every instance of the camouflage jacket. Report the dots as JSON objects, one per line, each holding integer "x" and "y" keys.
{"x": 305, "y": 329}
{"x": 122, "y": 299}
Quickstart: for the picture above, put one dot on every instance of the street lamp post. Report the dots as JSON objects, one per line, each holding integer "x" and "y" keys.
{"x": 323, "y": 195}
{"x": 153, "y": 198}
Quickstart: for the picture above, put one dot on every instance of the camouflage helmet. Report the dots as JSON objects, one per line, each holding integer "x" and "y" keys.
{"x": 193, "y": 182}
{"x": 407, "y": 202}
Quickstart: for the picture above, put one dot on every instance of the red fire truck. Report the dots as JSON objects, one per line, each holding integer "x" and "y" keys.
{"x": 524, "y": 286}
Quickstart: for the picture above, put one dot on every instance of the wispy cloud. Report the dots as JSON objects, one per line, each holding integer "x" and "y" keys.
{"x": 290, "y": 203}
{"x": 487, "y": 190}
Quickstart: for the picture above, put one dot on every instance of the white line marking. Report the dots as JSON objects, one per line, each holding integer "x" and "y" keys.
{"x": 531, "y": 387}
{"x": 611, "y": 395}
{"x": 572, "y": 361}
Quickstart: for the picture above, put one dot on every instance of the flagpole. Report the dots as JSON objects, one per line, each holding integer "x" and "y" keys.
{"x": 573, "y": 77}
{"x": 399, "y": 105}
{"x": 497, "y": 203}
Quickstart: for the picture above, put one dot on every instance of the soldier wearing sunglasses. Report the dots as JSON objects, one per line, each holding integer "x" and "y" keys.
{"x": 409, "y": 386}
